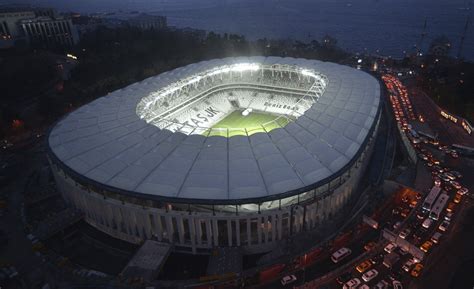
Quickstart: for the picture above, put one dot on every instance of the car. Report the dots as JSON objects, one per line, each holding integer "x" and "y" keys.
{"x": 443, "y": 227}
{"x": 353, "y": 283}
{"x": 435, "y": 238}
{"x": 427, "y": 223}
{"x": 377, "y": 259}
{"x": 462, "y": 191}
{"x": 426, "y": 246}
{"x": 413, "y": 203}
{"x": 403, "y": 234}
{"x": 416, "y": 271}
{"x": 408, "y": 264}
{"x": 390, "y": 247}
{"x": 454, "y": 155}
{"x": 448, "y": 216}
{"x": 381, "y": 285}
{"x": 444, "y": 177}
{"x": 405, "y": 212}
{"x": 288, "y": 279}
{"x": 420, "y": 215}
{"x": 397, "y": 225}
{"x": 397, "y": 284}
{"x": 402, "y": 251}
{"x": 344, "y": 278}
{"x": 369, "y": 275}
{"x": 456, "y": 174}
{"x": 456, "y": 185}
{"x": 362, "y": 267}
{"x": 450, "y": 176}
{"x": 450, "y": 207}
{"x": 364, "y": 286}
{"x": 369, "y": 246}
{"x": 457, "y": 198}
{"x": 396, "y": 210}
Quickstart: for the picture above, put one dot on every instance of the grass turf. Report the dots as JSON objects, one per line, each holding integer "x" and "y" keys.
{"x": 237, "y": 124}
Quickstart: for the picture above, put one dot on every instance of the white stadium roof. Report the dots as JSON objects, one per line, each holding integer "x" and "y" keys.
{"x": 106, "y": 142}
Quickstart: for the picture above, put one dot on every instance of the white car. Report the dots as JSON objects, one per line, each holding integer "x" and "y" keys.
{"x": 351, "y": 284}
{"x": 427, "y": 223}
{"x": 390, "y": 247}
{"x": 369, "y": 275}
{"x": 397, "y": 284}
{"x": 403, "y": 234}
{"x": 407, "y": 266}
{"x": 444, "y": 226}
{"x": 288, "y": 280}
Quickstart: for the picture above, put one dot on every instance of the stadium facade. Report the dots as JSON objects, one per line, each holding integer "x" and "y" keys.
{"x": 147, "y": 162}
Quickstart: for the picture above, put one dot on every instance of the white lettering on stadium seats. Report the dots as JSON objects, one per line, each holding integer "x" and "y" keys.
{"x": 202, "y": 118}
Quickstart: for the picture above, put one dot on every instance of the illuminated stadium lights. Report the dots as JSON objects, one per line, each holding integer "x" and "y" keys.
{"x": 308, "y": 73}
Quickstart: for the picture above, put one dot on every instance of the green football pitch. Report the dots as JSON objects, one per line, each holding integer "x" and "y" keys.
{"x": 237, "y": 124}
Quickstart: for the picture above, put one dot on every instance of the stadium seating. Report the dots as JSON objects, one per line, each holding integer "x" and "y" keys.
{"x": 193, "y": 109}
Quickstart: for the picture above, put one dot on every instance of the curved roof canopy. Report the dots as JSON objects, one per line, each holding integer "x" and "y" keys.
{"x": 106, "y": 142}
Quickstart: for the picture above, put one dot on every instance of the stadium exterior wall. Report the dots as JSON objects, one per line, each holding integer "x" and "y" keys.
{"x": 134, "y": 220}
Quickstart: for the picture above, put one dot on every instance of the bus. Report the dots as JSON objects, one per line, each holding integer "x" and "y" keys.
{"x": 439, "y": 206}
{"x": 431, "y": 198}
{"x": 432, "y": 139}
{"x": 340, "y": 254}
{"x": 468, "y": 151}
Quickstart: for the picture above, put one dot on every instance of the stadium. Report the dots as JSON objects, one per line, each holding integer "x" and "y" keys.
{"x": 241, "y": 151}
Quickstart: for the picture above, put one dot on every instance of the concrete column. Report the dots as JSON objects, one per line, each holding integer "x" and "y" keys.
{"x": 215, "y": 232}
{"x": 265, "y": 228}
{"x": 197, "y": 224}
{"x": 209, "y": 233}
{"x": 118, "y": 218}
{"x": 259, "y": 229}
{"x": 274, "y": 228}
{"x": 280, "y": 225}
{"x": 237, "y": 231}
{"x": 159, "y": 226}
{"x": 147, "y": 223}
{"x": 179, "y": 223}
{"x": 169, "y": 227}
{"x": 249, "y": 232}
{"x": 192, "y": 233}
{"x": 229, "y": 232}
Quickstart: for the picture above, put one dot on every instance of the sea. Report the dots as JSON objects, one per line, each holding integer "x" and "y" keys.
{"x": 386, "y": 27}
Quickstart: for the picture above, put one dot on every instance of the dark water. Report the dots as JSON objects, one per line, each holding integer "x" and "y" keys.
{"x": 391, "y": 27}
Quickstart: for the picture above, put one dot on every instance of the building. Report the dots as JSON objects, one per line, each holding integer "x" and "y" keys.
{"x": 50, "y": 32}
{"x": 148, "y": 162}
{"x": 10, "y": 31}
{"x": 146, "y": 21}
{"x": 41, "y": 27}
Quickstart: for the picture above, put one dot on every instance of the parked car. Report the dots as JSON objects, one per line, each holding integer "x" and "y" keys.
{"x": 397, "y": 284}
{"x": 369, "y": 275}
{"x": 362, "y": 267}
{"x": 344, "y": 278}
{"x": 426, "y": 246}
{"x": 408, "y": 264}
{"x": 351, "y": 284}
{"x": 443, "y": 227}
{"x": 288, "y": 280}
{"x": 435, "y": 238}
{"x": 403, "y": 234}
{"x": 390, "y": 247}
{"x": 416, "y": 271}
